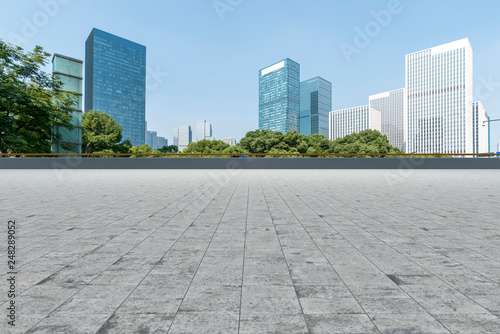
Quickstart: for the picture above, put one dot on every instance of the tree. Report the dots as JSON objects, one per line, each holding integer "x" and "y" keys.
{"x": 123, "y": 147}
{"x": 31, "y": 102}
{"x": 274, "y": 142}
{"x": 367, "y": 141}
{"x": 100, "y": 132}
{"x": 142, "y": 150}
{"x": 206, "y": 146}
{"x": 169, "y": 149}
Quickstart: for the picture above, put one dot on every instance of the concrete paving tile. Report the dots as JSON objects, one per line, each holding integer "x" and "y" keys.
{"x": 70, "y": 324}
{"x": 258, "y": 299}
{"x": 120, "y": 323}
{"x": 409, "y": 324}
{"x": 470, "y": 323}
{"x": 204, "y": 322}
{"x": 273, "y": 323}
{"x": 212, "y": 298}
{"x": 340, "y": 324}
{"x": 327, "y": 299}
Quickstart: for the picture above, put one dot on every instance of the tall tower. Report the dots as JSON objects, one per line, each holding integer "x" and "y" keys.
{"x": 115, "y": 82}
{"x": 70, "y": 72}
{"x": 315, "y": 105}
{"x": 279, "y": 96}
{"x": 439, "y": 90}
{"x": 393, "y": 109}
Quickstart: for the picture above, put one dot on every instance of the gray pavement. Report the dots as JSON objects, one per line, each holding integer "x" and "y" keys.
{"x": 269, "y": 251}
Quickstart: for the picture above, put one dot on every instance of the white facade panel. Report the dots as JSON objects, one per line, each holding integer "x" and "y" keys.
{"x": 393, "y": 109}
{"x": 353, "y": 120}
{"x": 439, "y": 93}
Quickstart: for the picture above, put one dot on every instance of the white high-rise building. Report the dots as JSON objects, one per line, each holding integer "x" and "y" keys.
{"x": 393, "y": 108}
{"x": 480, "y": 129}
{"x": 353, "y": 120}
{"x": 230, "y": 140}
{"x": 176, "y": 137}
{"x": 185, "y": 136}
{"x": 203, "y": 130}
{"x": 439, "y": 92}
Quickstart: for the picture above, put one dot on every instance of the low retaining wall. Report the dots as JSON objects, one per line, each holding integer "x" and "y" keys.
{"x": 249, "y": 163}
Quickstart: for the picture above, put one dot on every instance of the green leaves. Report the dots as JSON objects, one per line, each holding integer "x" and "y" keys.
{"x": 101, "y": 132}
{"x": 30, "y": 102}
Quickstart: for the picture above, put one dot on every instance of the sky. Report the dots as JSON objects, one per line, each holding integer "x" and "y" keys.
{"x": 204, "y": 56}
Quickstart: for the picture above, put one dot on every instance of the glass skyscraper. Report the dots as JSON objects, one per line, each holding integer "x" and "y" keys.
{"x": 115, "y": 82}
{"x": 70, "y": 72}
{"x": 315, "y": 105}
{"x": 279, "y": 96}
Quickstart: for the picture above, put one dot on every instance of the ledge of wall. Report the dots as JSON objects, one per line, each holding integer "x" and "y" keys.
{"x": 249, "y": 163}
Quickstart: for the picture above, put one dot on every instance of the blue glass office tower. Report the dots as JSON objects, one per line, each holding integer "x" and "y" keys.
{"x": 315, "y": 106}
{"x": 279, "y": 96}
{"x": 115, "y": 82}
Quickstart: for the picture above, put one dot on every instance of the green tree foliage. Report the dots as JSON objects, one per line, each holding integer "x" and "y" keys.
{"x": 123, "y": 147}
{"x": 266, "y": 141}
{"x": 142, "y": 151}
{"x": 31, "y": 102}
{"x": 169, "y": 149}
{"x": 367, "y": 141}
{"x": 100, "y": 132}
{"x": 206, "y": 146}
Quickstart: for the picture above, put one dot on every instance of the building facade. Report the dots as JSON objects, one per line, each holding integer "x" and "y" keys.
{"x": 162, "y": 142}
{"x": 353, "y": 120}
{"x": 176, "y": 137}
{"x": 115, "y": 82}
{"x": 480, "y": 129}
{"x": 315, "y": 105}
{"x": 439, "y": 92}
{"x": 185, "y": 136}
{"x": 152, "y": 139}
{"x": 70, "y": 72}
{"x": 279, "y": 96}
{"x": 231, "y": 141}
{"x": 393, "y": 109}
{"x": 203, "y": 130}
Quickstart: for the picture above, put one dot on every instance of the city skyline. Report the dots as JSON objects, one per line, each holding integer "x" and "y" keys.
{"x": 375, "y": 64}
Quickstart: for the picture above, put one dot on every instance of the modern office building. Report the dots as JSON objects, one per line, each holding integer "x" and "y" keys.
{"x": 176, "y": 137}
{"x": 279, "y": 96}
{"x": 315, "y": 105}
{"x": 115, "y": 82}
{"x": 162, "y": 142}
{"x": 203, "y": 130}
{"x": 152, "y": 139}
{"x": 353, "y": 120}
{"x": 185, "y": 136}
{"x": 498, "y": 148}
{"x": 393, "y": 109}
{"x": 480, "y": 129}
{"x": 439, "y": 91}
{"x": 231, "y": 141}
{"x": 70, "y": 72}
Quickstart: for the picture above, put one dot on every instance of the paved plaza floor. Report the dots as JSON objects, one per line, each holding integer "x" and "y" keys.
{"x": 265, "y": 251}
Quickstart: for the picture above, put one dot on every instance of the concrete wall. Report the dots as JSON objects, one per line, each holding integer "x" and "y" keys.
{"x": 248, "y": 163}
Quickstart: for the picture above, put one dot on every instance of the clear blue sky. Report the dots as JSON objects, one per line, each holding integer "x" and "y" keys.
{"x": 212, "y": 58}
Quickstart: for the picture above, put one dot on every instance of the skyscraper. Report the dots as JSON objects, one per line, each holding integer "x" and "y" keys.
{"x": 176, "y": 137}
{"x": 279, "y": 96}
{"x": 439, "y": 90}
{"x": 70, "y": 72}
{"x": 315, "y": 105}
{"x": 393, "y": 109}
{"x": 480, "y": 129}
{"x": 115, "y": 82}
{"x": 185, "y": 136}
{"x": 353, "y": 120}
{"x": 203, "y": 130}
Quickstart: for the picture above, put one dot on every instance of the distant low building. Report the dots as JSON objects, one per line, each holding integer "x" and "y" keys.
{"x": 152, "y": 139}
{"x": 353, "y": 120}
{"x": 230, "y": 140}
{"x": 162, "y": 142}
